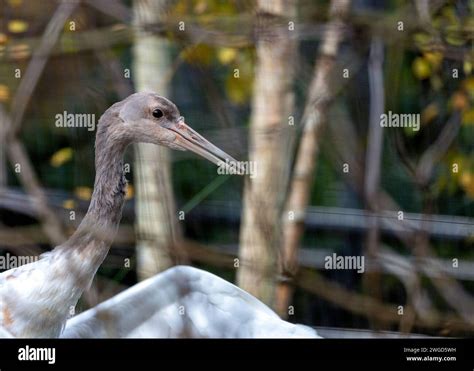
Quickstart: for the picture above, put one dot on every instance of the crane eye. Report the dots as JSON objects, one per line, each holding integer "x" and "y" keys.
{"x": 157, "y": 113}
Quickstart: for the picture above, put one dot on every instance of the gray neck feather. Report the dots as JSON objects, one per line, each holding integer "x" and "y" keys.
{"x": 97, "y": 230}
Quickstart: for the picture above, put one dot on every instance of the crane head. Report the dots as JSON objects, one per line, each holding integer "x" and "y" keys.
{"x": 150, "y": 118}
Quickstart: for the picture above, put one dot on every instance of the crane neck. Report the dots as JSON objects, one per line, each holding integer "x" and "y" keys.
{"x": 110, "y": 184}
{"x": 93, "y": 237}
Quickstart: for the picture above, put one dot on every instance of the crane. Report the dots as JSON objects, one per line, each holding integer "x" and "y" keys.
{"x": 36, "y": 298}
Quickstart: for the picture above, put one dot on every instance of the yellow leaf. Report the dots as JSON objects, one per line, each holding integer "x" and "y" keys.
{"x": 181, "y": 7}
{"x": 20, "y": 51}
{"x": 61, "y": 157}
{"x": 467, "y": 66}
{"x": 198, "y": 54}
{"x": 4, "y": 93}
{"x": 200, "y": 7}
{"x": 468, "y": 117}
{"x": 422, "y": 39}
{"x": 434, "y": 58}
{"x": 449, "y": 14}
{"x": 239, "y": 89}
{"x": 459, "y": 101}
{"x": 429, "y": 113}
{"x": 421, "y": 68}
{"x": 469, "y": 86}
{"x": 226, "y": 55}
{"x": 83, "y": 193}
{"x": 455, "y": 39}
{"x": 17, "y": 26}
{"x": 130, "y": 192}
{"x": 467, "y": 182}
{"x": 69, "y": 204}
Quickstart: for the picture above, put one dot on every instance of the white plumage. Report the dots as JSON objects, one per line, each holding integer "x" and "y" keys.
{"x": 36, "y": 298}
{"x": 183, "y": 302}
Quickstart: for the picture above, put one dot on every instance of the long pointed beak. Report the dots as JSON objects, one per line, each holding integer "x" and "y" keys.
{"x": 188, "y": 138}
